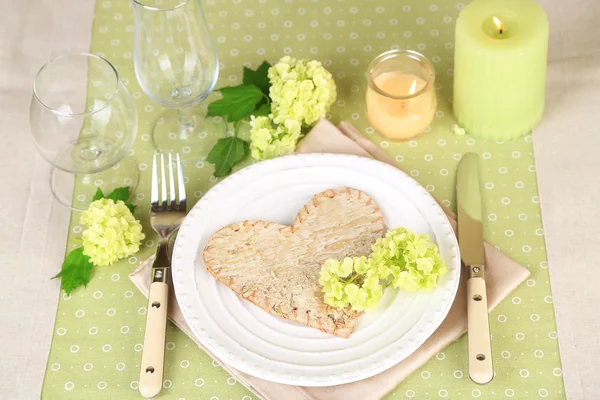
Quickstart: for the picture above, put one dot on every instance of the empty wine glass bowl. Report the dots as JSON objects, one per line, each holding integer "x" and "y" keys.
{"x": 177, "y": 66}
{"x": 176, "y": 62}
{"x": 82, "y": 121}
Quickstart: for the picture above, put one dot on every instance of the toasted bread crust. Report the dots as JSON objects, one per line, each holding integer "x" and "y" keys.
{"x": 276, "y": 267}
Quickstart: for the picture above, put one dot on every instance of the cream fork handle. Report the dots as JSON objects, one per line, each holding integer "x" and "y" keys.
{"x": 151, "y": 370}
{"x": 481, "y": 369}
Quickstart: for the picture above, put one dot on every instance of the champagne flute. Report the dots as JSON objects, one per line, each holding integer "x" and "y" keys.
{"x": 177, "y": 66}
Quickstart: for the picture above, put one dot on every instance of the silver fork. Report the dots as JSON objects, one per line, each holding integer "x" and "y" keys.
{"x": 166, "y": 216}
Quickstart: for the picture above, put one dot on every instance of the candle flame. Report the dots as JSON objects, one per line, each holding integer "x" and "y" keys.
{"x": 498, "y": 24}
{"x": 413, "y": 88}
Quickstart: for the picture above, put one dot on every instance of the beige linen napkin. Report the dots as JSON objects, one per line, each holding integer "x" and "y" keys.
{"x": 502, "y": 275}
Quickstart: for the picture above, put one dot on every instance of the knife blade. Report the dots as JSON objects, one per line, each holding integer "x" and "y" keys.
{"x": 470, "y": 240}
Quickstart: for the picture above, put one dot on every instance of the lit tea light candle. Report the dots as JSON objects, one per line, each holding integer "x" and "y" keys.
{"x": 400, "y": 97}
{"x": 500, "y": 67}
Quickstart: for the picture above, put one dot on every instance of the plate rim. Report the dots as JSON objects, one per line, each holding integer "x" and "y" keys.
{"x": 221, "y": 353}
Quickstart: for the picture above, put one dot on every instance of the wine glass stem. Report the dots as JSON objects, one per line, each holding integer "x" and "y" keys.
{"x": 186, "y": 119}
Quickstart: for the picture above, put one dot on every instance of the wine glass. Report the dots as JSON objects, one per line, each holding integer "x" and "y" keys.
{"x": 83, "y": 122}
{"x": 177, "y": 66}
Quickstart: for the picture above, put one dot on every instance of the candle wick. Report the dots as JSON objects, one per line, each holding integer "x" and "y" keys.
{"x": 499, "y": 24}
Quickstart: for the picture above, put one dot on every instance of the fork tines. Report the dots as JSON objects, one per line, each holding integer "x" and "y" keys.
{"x": 172, "y": 199}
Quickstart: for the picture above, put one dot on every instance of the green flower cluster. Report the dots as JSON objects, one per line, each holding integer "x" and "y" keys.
{"x": 406, "y": 260}
{"x": 351, "y": 281}
{"x": 269, "y": 141}
{"x": 411, "y": 260}
{"x": 301, "y": 92}
{"x": 112, "y": 232}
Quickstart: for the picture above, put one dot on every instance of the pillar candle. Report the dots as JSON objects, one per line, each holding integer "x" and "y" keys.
{"x": 500, "y": 68}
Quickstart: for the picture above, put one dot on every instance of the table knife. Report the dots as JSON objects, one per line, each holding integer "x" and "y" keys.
{"x": 470, "y": 239}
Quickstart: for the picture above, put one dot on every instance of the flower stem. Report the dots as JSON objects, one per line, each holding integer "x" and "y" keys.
{"x": 352, "y": 278}
{"x": 236, "y": 127}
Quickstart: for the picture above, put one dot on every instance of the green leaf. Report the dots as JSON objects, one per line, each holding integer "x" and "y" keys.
{"x": 258, "y": 77}
{"x": 99, "y": 195}
{"x": 237, "y": 103}
{"x": 263, "y": 111}
{"x": 226, "y": 153}
{"x": 131, "y": 207}
{"x": 121, "y": 193}
{"x": 76, "y": 270}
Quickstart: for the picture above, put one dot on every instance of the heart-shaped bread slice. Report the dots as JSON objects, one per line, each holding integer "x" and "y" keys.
{"x": 276, "y": 267}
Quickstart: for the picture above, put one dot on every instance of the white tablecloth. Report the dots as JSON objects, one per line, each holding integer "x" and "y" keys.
{"x": 33, "y": 234}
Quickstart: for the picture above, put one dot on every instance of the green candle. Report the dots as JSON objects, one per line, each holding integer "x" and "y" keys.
{"x": 500, "y": 67}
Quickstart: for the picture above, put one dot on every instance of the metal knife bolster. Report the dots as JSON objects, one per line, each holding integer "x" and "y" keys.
{"x": 162, "y": 264}
{"x": 476, "y": 271}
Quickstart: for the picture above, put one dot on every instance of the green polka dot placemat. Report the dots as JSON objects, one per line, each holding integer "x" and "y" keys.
{"x": 98, "y": 336}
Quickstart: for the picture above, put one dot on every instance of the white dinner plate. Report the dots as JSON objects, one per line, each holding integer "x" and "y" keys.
{"x": 260, "y": 344}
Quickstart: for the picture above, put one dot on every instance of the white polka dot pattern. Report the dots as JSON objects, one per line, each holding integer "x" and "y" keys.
{"x": 97, "y": 343}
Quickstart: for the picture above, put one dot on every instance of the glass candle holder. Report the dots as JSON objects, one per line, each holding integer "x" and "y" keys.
{"x": 400, "y": 97}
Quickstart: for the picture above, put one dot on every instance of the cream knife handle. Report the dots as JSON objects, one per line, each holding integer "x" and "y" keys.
{"x": 153, "y": 355}
{"x": 481, "y": 369}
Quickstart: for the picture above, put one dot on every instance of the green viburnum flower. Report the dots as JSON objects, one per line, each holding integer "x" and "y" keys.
{"x": 350, "y": 282}
{"x": 112, "y": 232}
{"x": 411, "y": 260}
{"x": 457, "y": 130}
{"x": 268, "y": 141}
{"x": 300, "y": 90}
